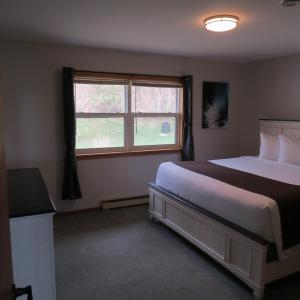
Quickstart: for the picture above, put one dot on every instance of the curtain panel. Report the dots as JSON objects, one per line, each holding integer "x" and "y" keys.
{"x": 188, "y": 141}
{"x": 71, "y": 188}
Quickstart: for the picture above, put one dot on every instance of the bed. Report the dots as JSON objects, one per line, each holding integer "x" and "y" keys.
{"x": 218, "y": 217}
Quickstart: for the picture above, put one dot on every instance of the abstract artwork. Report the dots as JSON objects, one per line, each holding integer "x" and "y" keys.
{"x": 215, "y": 104}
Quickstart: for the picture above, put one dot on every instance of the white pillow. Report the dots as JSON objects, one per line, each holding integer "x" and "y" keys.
{"x": 289, "y": 150}
{"x": 269, "y": 146}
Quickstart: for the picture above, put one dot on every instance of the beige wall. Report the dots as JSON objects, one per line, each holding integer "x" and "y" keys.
{"x": 31, "y": 76}
{"x": 273, "y": 91}
{"x": 249, "y": 126}
{"x": 277, "y": 85}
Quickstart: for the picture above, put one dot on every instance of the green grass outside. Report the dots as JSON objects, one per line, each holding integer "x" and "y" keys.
{"x": 150, "y": 133}
{"x": 109, "y": 132}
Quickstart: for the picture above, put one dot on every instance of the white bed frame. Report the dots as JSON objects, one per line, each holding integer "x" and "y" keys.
{"x": 243, "y": 255}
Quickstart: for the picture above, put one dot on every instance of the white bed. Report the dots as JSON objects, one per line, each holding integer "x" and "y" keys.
{"x": 242, "y": 254}
{"x": 236, "y": 205}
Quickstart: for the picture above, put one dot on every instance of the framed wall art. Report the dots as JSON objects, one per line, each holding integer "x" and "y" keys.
{"x": 215, "y": 104}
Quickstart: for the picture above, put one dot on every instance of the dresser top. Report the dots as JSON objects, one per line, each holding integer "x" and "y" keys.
{"x": 27, "y": 193}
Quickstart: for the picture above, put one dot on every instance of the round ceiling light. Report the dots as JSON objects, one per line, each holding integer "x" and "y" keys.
{"x": 221, "y": 23}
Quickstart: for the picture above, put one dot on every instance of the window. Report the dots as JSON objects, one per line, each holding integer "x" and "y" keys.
{"x": 126, "y": 113}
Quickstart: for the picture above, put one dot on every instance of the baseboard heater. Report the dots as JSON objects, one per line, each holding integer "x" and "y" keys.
{"x": 109, "y": 204}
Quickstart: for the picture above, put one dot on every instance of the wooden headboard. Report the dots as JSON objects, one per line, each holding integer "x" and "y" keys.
{"x": 290, "y": 129}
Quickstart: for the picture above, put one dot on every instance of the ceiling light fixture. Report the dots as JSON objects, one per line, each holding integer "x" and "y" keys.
{"x": 221, "y": 23}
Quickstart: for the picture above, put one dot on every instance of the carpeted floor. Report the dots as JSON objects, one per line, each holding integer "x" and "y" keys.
{"x": 120, "y": 254}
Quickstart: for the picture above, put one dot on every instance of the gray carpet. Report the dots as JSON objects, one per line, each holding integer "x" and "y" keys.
{"x": 120, "y": 254}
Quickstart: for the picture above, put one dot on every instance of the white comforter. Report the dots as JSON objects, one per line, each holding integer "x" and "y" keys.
{"x": 256, "y": 213}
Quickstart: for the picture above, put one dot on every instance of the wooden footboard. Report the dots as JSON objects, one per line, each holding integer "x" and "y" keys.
{"x": 238, "y": 253}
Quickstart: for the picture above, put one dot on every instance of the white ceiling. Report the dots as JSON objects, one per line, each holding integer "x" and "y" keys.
{"x": 161, "y": 26}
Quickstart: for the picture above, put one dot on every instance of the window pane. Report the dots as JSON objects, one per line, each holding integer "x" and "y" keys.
{"x": 154, "y": 131}
{"x": 100, "y": 98}
{"x": 149, "y": 99}
{"x": 99, "y": 133}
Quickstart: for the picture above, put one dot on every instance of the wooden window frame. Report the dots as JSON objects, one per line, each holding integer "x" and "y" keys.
{"x": 129, "y": 149}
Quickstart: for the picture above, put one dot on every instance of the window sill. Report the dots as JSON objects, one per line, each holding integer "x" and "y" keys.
{"x": 132, "y": 153}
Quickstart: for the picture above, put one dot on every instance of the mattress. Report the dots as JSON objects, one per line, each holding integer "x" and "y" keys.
{"x": 253, "y": 212}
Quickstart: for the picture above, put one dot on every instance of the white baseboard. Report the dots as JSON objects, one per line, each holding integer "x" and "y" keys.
{"x": 124, "y": 202}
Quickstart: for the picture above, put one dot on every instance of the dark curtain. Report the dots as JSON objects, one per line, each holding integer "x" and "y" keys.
{"x": 188, "y": 141}
{"x": 71, "y": 187}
